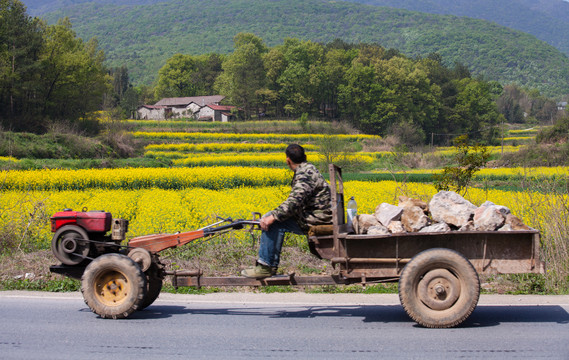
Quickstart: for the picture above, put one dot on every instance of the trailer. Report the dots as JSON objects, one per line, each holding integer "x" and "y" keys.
{"x": 438, "y": 273}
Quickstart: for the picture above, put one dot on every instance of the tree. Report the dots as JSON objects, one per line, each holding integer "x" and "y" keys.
{"x": 336, "y": 63}
{"x": 176, "y": 77}
{"x": 73, "y": 78}
{"x": 467, "y": 161}
{"x": 359, "y": 96}
{"x": 476, "y": 112}
{"x": 20, "y": 45}
{"x": 302, "y": 77}
{"x": 208, "y": 69}
{"x": 243, "y": 72}
{"x": 384, "y": 91}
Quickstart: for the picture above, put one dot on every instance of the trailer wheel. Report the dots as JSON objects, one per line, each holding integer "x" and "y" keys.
{"x": 113, "y": 286}
{"x": 153, "y": 286}
{"x": 439, "y": 288}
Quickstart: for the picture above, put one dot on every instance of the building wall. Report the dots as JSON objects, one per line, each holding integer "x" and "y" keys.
{"x": 207, "y": 112}
{"x": 180, "y": 112}
{"x": 151, "y": 114}
{"x": 193, "y": 108}
{"x": 225, "y": 118}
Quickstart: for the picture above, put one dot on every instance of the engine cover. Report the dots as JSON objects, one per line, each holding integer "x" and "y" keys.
{"x": 91, "y": 221}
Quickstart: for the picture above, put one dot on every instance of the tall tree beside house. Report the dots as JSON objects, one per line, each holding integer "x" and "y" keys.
{"x": 243, "y": 73}
{"x": 123, "y": 99}
{"x": 209, "y": 67}
{"x": 20, "y": 46}
{"x": 188, "y": 75}
{"x": 175, "y": 77}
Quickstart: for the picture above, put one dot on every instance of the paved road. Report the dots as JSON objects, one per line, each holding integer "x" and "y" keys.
{"x": 279, "y": 326}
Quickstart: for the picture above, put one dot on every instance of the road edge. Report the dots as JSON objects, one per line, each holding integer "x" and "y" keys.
{"x": 302, "y": 298}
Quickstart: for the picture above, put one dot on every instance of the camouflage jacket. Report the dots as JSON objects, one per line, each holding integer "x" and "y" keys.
{"x": 309, "y": 201}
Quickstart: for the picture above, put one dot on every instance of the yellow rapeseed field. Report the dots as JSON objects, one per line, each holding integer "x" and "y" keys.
{"x": 222, "y": 147}
{"x": 223, "y": 137}
{"x": 8, "y": 159}
{"x": 138, "y": 178}
{"x": 515, "y": 172}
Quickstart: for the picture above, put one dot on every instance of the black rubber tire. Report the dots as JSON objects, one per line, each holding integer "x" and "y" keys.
{"x": 439, "y": 288}
{"x": 113, "y": 286}
{"x": 81, "y": 247}
{"x": 153, "y": 287}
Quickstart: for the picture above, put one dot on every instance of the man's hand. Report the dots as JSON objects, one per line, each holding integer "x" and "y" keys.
{"x": 266, "y": 222}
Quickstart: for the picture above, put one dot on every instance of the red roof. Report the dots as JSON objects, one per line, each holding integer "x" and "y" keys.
{"x": 221, "y": 107}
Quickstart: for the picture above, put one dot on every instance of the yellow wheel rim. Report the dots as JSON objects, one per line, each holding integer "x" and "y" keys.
{"x": 112, "y": 288}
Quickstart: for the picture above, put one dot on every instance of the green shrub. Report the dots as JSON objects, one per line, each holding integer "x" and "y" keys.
{"x": 467, "y": 161}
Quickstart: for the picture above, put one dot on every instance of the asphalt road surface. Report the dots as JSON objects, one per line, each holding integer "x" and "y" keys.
{"x": 279, "y": 326}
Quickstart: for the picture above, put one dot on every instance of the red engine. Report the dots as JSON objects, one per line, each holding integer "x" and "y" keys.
{"x": 82, "y": 235}
{"x": 90, "y": 221}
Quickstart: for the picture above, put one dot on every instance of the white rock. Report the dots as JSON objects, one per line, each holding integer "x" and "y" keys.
{"x": 377, "y": 230}
{"x": 363, "y": 222}
{"x": 504, "y": 210}
{"x": 414, "y": 219}
{"x": 488, "y": 218}
{"x": 451, "y": 208}
{"x": 386, "y": 213}
{"x": 405, "y": 201}
{"x": 438, "y": 227}
{"x": 396, "y": 227}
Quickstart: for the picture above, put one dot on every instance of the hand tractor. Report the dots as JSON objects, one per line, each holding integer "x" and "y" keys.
{"x": 437, "y": 272}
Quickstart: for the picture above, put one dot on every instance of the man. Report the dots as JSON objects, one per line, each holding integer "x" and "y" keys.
{"x": 309, "y": 203}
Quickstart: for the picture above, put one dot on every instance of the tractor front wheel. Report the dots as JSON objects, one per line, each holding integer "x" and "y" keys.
{"x": 113, "y": 286}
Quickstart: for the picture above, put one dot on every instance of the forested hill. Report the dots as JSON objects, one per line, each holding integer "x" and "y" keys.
{"x": 143, "y": 37}
{"x": 548, "y": 20}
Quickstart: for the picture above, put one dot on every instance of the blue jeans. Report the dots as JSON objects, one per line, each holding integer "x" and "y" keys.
{"x": 272, "y": 241}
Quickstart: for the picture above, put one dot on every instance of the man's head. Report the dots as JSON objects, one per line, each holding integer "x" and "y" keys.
{"x": 295, "y": 154}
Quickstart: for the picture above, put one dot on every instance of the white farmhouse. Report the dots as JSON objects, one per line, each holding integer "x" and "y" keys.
{"x": 216, "y": 113}
{"x": 177, "y": 107}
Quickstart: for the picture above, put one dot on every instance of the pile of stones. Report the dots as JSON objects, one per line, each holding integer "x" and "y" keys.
{"x": 447, "y": 211}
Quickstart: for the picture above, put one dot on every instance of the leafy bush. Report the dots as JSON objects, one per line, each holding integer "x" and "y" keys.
{"x": 468, "y": 160}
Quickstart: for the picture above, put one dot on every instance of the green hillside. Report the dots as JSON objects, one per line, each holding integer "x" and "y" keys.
{"x": 545, "y": 19}
{"x": 143, "y": 37}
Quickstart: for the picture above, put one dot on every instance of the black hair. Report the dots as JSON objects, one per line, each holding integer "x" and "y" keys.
{"x": 295, "y": 153}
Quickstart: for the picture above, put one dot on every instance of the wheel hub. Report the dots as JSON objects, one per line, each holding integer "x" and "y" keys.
{"x": 112, "y": 288}
{"x": 439, "y": 289}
